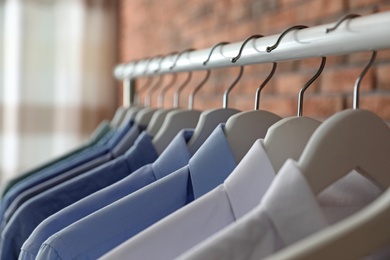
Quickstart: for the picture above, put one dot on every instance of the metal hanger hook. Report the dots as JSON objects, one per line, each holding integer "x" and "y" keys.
{"x": 226, "y": 93}
{"x": 296, "y": 27}
{"x": 196, "y": 89}
{"x": 342, "y": 19}
{"x": 149, "y": 91}
{"x": 255, "y": 36}
{"x": 176, "y": 97}
{"x": 178, "y": 56}
{"x": 303, "y": 89}
{"x": 359, "y": 79}
{"x": 161, "y": 60}
{"x": 260, "y": 88}
{"x": 212, "y": 50}
{"x": 164, "y": 89}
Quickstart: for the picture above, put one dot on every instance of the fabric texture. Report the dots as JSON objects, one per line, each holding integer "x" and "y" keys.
{"x": 288, "y": 213}
{"x": 205, "y": 216}
{"x": 126, "y": 142}
{"x": 34, "y": 211}
{"x": 175, "y": 156}
{"x": 95, "y": 235}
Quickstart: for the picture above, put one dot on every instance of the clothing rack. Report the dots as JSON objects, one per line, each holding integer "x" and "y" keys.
{"x": 356, "y": 34}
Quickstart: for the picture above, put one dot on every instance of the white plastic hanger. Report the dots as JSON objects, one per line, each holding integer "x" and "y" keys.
{"x": 176, "y": 120}
{"x": 351, "y": 139}
{"x": 244, "y": 128}
{"x": 211, "y": 118}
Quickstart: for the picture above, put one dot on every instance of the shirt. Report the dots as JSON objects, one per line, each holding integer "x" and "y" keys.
{"x": 205, "y": 216}
{"x": 34, "y": 211}
{"x": 102, "y": 129}
{"x": 105, "y": 229}
{"x": 288, "y": 213}
{"x": 175, "y": 156}
{"x": 100, "y": 149}
{"x": 126, "y": 142}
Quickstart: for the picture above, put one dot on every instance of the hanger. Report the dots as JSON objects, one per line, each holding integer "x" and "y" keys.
{"x": 294, "y": 131}
{"x": 175, "y": 120}
{"x": 211, "y": 118}
{"x": 131, "y": 112}
{"x": 159, "y": 117}
{"x": 145, "y": 114}
{"x": 351, "y": 139}
{"x": 244, "y": 128}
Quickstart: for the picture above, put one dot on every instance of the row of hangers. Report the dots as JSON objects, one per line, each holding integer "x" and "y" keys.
{"x": 325, "y": 152}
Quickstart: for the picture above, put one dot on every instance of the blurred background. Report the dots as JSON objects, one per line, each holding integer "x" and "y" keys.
{"x": 57, "y": 58}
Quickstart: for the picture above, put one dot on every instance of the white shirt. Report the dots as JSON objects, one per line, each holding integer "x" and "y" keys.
{"x": 288, "y": 213}
{"x": 180, "y": 231}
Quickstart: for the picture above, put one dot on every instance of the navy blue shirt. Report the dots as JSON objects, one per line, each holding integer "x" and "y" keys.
{"x": 100, "y": 232}
{"x": 175, "y": 156}
{"x": 126, "y": 142}
{"x": 35, "y": 210}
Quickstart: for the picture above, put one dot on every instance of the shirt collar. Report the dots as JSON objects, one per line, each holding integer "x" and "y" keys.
{"x": 175, "y": 156}
{"x": 126, "y": 142}
{"x": 291, "y": 205}
{"x": 120, "y": 133}
{"x": 144, "y": 147}
{"x": 253, "y": 175}
{"x": 212, "y": 163}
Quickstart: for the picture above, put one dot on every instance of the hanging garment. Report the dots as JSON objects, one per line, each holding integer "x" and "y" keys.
{"x": 105, "y": 229}
{"x": 35, "y": 210}
{"x": 124, "y": 145}
{"x": 180, "y": 231}
{"x": 174, "y": 157}
{"x": 288, "y": 213}
{"x": 101, "y": 130}
{"x": 102, "y": 148}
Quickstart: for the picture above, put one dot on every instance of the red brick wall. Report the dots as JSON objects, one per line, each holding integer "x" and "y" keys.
{"x": 151, "y": 27}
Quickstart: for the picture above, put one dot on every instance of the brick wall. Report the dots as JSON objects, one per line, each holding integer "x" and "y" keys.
{"x": 151, "y": 27}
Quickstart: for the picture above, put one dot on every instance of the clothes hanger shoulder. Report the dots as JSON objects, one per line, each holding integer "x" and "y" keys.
{"x": 118, "y": 116}
{"x": 144, "y": 116}
{"x": 207, "y": 122}
{"x": 130, "y": 114}
{"x": 351, "y": 139}
{"x": 173, "y": 123}
{"x": 244, "y": 128}
{"x": 157, "y": 121}
{"x": 287, "y": 138}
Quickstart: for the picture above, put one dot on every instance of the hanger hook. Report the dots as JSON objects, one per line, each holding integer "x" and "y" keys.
{"x": 152, "y": 88}
{"x": 163, "y": 90}
{"x": 359, "y": 79}
{"x": 196, "y": 89}
{"x": 176, "y": 97}
{"x": 226, "y": 93}
{"x": 255, "y": 36}
{"x": 161, "y": 60}
{"x": 303, "y": 89}
{"x": 342, "y": 19}
{"x": 296, "y": 27}
{"x": 178, "y": 56}
{"x": 212, "y": 50}
{"x": 260, "y": 88}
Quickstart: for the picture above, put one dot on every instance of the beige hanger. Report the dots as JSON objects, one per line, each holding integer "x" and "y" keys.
{"x": 176, "y": 120}
{"x": 211, "y": 118}
{"x": 351, "y": 139}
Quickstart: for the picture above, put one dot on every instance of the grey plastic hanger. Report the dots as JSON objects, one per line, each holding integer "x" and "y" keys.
{"x": 145, "y": 114}
{"x": 351, "y": 139}
{"x": 244, "y": 128}
{"x": 175, "y": 120}
{"x": 211, "y": 118}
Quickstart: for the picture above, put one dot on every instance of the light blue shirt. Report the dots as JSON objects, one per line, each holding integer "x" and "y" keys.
{"x": 175, "y": 156}
{"x": 35, "y": 210}
{"x": 105, "y": 229}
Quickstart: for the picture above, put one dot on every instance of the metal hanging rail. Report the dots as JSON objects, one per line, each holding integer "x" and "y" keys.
{"x": 366, "y": 33}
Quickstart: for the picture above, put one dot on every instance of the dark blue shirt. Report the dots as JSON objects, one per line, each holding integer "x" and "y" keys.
{"x": 35, "y": 210}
